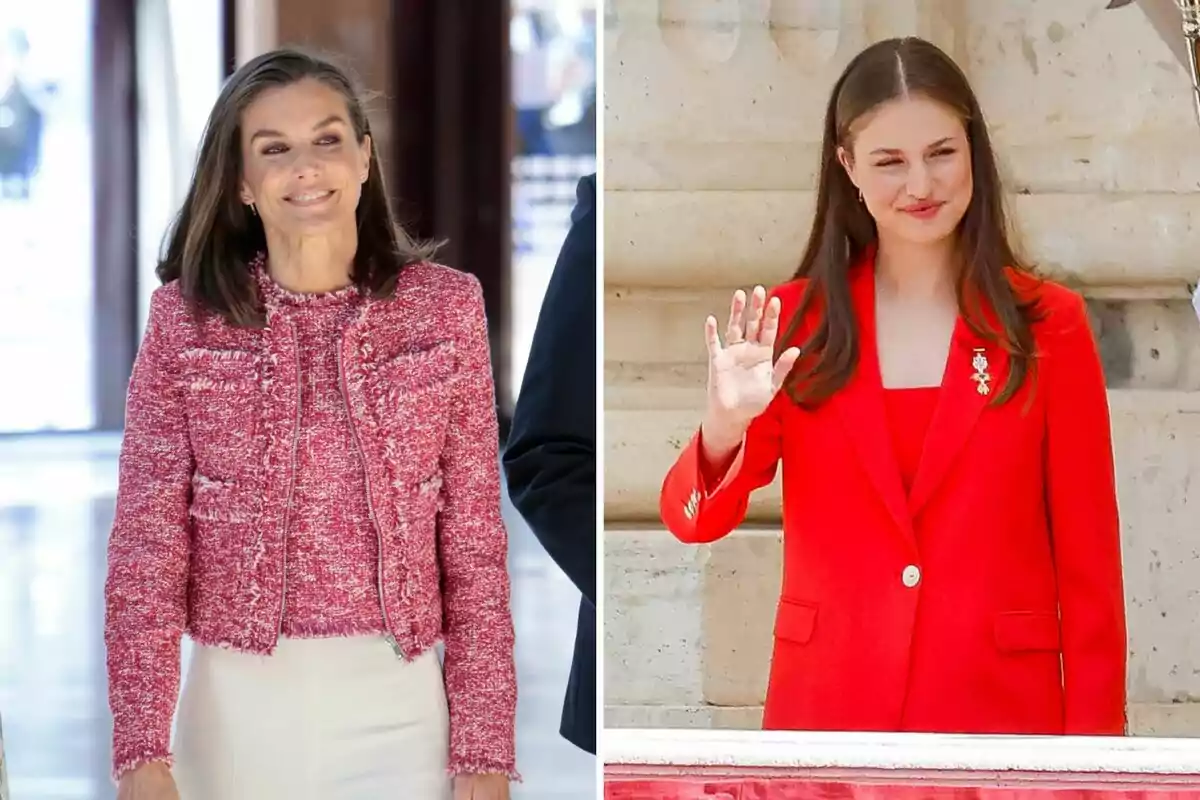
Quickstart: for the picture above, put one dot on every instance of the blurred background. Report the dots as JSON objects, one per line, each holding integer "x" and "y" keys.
{"x": 485, "y": 121}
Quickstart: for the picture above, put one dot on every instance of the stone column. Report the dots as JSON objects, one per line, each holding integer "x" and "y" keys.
{"x": 713, "y": 119}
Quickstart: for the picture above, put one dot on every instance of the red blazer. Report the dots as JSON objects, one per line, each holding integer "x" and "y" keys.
{"x": 987, "y": 600}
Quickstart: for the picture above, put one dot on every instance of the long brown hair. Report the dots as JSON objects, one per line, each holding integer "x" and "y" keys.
{"x": 215, "y": 236}
{"x": 843, "y": 229}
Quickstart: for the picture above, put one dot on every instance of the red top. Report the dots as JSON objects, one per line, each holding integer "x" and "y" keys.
{"x": 909, "y": 412}
{"x": 331, "y": 539}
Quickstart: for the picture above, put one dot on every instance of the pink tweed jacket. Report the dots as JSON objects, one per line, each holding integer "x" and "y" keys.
{"x": 206, "y": 471}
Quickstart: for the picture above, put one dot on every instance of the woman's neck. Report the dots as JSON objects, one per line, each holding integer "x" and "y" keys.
{"x": 311, "y": 264}
{"x": 918, "y": 272}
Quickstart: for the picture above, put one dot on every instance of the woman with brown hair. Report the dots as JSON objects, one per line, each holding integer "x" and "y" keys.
{"x": 309, "y": 483}
{"x": 951, "y": 547}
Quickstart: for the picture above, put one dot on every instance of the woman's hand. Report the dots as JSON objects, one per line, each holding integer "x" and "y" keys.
{"x": 151, "y": 781}
{"x": 742, "y": 380}
{"x": 481, "y": 787}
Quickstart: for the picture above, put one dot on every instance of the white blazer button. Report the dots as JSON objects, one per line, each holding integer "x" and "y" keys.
{"x": 911, "y": 576}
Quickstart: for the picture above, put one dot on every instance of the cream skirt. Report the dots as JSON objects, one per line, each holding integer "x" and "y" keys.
{"x": 336, "y": 719}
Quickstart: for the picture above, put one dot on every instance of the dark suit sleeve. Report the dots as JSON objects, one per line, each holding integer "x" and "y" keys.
{"x": 550, "y": 459}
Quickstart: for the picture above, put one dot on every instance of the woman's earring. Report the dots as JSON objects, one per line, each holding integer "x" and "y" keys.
{"x": 860, "y": 197}
{"x": 253, "y": 209}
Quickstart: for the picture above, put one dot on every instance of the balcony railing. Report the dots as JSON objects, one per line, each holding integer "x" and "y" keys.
{"x": 764, "y": 765}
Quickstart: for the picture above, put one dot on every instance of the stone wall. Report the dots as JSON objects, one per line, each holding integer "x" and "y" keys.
{"x": 713, "y": 119}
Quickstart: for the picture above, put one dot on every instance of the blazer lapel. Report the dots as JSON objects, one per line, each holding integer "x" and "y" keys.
{"x": 860, "y": 404}
{"x": 958, "y": 408}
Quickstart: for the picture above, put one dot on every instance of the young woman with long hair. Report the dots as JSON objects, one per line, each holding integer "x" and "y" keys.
{"x": 951, "y": 547}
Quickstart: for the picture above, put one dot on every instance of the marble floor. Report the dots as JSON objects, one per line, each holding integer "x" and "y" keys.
{"x": 56, "y": 500}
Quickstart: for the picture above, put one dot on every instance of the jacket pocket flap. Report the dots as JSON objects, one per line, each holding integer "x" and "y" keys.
{"x": 418, "y": 369}
{"x": 216, "y": 500}
{"x": 207, "y": 369}
{"x": 795, "y": 621}
{"x": 1020, "y": 631}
